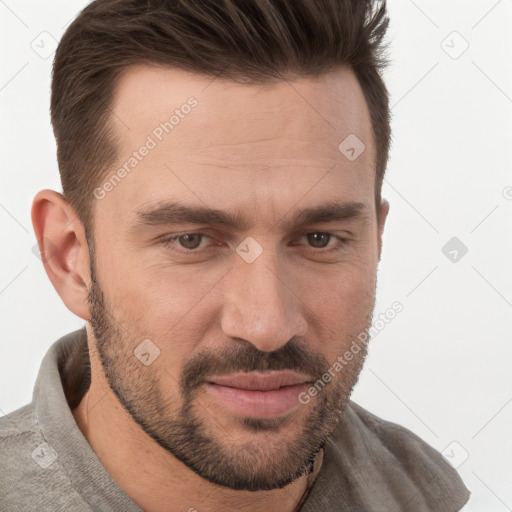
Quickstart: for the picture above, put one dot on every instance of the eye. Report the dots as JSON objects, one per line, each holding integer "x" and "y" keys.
{"x": 191, "y": 240}
{"x": 320, "y": 240}
{"x": 192, "y": 243}
{"x": 188, "y": 241}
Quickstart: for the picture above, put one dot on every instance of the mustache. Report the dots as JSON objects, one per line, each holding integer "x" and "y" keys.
{"x": 245, "y": 357}
{"x": 238, "y": 357}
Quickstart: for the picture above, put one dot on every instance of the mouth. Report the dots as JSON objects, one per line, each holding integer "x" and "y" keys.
{"x": 256, "y": 395}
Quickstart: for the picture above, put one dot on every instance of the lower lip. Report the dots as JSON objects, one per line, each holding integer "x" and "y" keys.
{"x": 258, "y": 404}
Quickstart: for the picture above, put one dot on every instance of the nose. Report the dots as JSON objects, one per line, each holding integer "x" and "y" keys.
{"x": 261, "y": 306}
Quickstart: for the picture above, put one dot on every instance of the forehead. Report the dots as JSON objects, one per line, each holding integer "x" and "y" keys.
{"x": 331, "y": 102}
{"x": 220, "y": 141}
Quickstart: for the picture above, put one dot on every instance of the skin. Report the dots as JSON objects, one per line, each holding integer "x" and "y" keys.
{"x": 266, "y": 152}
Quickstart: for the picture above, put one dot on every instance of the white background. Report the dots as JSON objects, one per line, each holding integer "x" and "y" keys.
{"x": 442, "y": 367}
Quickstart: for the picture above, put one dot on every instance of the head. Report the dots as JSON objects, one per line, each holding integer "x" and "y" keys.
{"x": 221, "y": 164}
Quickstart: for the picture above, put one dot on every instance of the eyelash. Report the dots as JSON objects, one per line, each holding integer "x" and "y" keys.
{"x": 169, "y": 241}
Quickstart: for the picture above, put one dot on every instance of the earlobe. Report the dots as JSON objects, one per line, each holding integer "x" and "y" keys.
{"x": 382, "y": 216}
{"x": 64, "y": 251}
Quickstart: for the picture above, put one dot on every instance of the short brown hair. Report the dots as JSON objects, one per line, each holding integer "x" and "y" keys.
{"x": 247, "y": 41}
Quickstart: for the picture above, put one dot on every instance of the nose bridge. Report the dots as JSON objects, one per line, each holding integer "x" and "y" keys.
{"x": 259, "y": 306}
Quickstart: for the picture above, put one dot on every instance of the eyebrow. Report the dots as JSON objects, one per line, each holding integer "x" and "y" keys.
{"x": 173, "y": 213}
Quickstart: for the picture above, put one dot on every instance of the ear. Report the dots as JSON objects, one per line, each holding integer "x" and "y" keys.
{"x": 64, "y": 250}
{"x": 382, "y": 215}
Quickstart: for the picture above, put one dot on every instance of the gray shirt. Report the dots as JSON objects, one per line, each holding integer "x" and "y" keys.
{"x": 46, "y": 463}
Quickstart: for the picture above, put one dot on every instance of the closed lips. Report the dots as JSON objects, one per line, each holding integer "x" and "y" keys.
{"x": 261, "y": 382}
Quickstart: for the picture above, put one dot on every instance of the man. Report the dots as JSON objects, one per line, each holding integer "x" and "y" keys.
{"x": 219, "y": 232}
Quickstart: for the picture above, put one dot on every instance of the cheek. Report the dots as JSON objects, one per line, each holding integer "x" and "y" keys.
{"x": 346, "y": 288}
{"x": 341, "y": 308}
{"x": 159, "y": 295}
{"x": 167, "y": 306}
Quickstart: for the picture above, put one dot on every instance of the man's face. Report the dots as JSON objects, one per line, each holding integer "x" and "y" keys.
{"x": 213, "y": 302}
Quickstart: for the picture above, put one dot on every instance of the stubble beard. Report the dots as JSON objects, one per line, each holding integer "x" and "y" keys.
{"x": 277, "y": 450}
